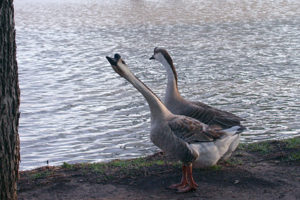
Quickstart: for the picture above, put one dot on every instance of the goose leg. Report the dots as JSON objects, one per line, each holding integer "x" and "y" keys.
{"x": 183, "y": 182}
{"x": 191, "y": 184}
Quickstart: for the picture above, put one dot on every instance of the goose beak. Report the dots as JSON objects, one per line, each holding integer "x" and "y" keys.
{"x": 152, "y": 58}
{"x": 112, "y": 61}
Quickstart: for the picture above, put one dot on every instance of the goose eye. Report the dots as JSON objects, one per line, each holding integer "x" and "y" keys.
{"x": 123, "y": 62}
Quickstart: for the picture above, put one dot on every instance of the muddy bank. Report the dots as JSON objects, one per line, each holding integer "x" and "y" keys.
{"x": 267, "y": 170}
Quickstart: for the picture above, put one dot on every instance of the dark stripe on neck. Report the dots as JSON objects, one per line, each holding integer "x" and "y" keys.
{"x": 170, "y": 61}
{"x": 175, "y": 73}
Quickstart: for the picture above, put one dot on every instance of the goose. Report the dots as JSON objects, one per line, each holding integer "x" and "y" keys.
{"x": 188, "y": 140}
{"x": 198, "y": 110}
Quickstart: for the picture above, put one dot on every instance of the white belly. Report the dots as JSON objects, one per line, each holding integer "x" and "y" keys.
{"x": 211, "y": 152}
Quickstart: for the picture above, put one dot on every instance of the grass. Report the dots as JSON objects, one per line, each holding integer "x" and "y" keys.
{"x": 96, "y": 167}
{"x": 242, "y": 146}
{"x": 215, "y": 168}
{"x": 262, "y": 147}
{"x": 145, "y": 166}
{"x": 125, "y": 164}
{"x": 292, "y": 143}
{"x": 120, "y": 168}
{"x": 138, "y": 165}
{"x": 126, "y": 168}
{"x": 294, "y": 156}
{"x": 234, "y": 161}
{"x": 67, "y": 166}
{"x": 130, "y": 164}
{"x": 42, "y": 174}
{"x": 291, "y": 146}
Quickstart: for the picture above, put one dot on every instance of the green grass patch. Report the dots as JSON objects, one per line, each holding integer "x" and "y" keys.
{"x": 39, "y": 175}
{"x": 215, "y": 168}
{"x": 262, "y": 147}
{"x": 96, "y": 167}
{"x": 294, "y": 156}
{"x": 67, "y": 166}
{"x": 234, "y": 161}
{"x": 242, "y": 146}
{"x": 292, "y": 143}
{"x": 124, "y": 166}
{"x": 136, "y": 163}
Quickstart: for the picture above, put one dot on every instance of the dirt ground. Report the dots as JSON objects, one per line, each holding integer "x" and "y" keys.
{"x": 268, "y": 171}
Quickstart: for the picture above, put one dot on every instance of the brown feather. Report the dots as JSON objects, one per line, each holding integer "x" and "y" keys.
{"x": 191, "y": 130}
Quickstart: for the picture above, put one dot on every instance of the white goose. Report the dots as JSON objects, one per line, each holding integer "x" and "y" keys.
{"x": 178, "y": 105}
{"x": 184, "y": 138}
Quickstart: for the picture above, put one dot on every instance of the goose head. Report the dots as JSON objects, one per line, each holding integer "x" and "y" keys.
{"x": 162, "y": 56}
{"x": 118, "y": 64}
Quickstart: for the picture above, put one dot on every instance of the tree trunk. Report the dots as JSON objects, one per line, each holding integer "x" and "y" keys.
{"x": 9, "y": 104}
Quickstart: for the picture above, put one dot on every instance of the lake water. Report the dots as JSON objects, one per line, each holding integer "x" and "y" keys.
{"x": 242, "y": 56}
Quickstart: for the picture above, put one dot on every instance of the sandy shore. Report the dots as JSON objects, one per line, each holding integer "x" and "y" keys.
{"x": 267, "y": 170}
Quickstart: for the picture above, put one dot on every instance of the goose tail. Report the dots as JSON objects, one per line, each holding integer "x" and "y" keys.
{"x": 234, "y": 130}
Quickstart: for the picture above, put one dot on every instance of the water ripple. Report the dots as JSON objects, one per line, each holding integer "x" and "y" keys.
{"x": 240, "y": 56}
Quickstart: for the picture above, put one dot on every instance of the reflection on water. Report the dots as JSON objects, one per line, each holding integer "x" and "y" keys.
{"x": 240, "y": 56}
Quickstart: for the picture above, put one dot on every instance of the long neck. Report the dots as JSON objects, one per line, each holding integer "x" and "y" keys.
{"x": 157, "y": 108}
{"x": 172, "y": 92}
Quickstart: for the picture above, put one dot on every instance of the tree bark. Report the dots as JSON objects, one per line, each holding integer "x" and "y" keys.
{"x": 9, "y": 104}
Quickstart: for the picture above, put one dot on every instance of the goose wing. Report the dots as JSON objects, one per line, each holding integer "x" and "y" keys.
{"x": 191, "y": 130}
{"x": 210, "y": 115}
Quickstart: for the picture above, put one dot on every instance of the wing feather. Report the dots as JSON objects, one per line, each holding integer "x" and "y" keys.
{"x": 210, "y": 115}
{"x": 191, "y": 130}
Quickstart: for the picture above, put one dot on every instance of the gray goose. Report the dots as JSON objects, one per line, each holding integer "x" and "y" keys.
{"x": 198, "y": 110}
{"x": 186, "y": 139}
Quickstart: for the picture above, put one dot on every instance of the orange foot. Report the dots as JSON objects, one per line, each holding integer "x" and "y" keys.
{"x": 178, "y": 185}
{"x": 191, "y": 184}
{"x": 183, "y": 182}
{"x": 186, "y": 189}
